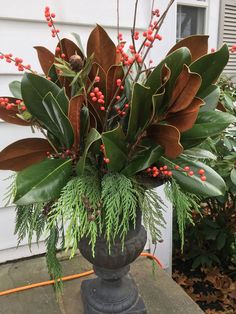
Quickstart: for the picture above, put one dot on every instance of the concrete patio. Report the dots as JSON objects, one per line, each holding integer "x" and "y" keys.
{"x": 160, "y": 293}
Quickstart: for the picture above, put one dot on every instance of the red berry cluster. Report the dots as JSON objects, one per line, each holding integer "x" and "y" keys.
{"x": 125, "y": 59}
{"x": 49, "y": 18}
{"x": 151, "y": 35}
{"x": 5, "y": 103}
{"x": 136, "y": 35}
{"x": 156, "y": 12}
{"x": 161, "y": 172}
{"x": 98, "y": 97}
{"x": 105, "y": 159}
{"x": 187, "y": 169}
{"x": 123, "y": 112}
{"x": 17, "y": 61}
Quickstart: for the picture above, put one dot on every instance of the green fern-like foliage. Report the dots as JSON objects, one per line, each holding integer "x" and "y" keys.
{"x": 184, "y": 203}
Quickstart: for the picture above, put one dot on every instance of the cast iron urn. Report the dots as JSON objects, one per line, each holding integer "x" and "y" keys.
{"x": 113, "y": 291}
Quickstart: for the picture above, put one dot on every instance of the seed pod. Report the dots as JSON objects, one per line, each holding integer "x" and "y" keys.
{"x": 98, "y": 212}
{"x": 91, "y": 217}
{"x": 76, "y": 63}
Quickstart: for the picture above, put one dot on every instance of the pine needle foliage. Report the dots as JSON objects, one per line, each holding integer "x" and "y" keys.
{"x": 152, "y": 208}
{"x": 184, "y": 203}
{"x": 120, "y": 203}
{"x": 30, "y": 220}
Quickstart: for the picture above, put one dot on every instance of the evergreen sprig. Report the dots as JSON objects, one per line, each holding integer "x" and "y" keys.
{"x": 184, "y": 203}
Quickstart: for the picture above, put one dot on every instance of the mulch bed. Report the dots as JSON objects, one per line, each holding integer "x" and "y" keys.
{"x": 214, "y": 290}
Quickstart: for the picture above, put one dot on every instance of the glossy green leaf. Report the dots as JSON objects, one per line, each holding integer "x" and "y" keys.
{"x": 63, "y": 101}
{"x": 15, "y": 88}
{"x": 42, "y": 182}
{"x": 34, "y": 88}
{"x": 115, "y": 148}
{"x": 210, "y": 96}
{"x": 92, "y": 137}
{"x": 143, "y": 159}
{"x": 199, "y": 153}
{"x": 56, "y": 121}
{"x": 213, "y": 186}
{"x": 79, "y": 42}
{"x": 233, "y": 176}
{"x": 141, "y": 111}
{"x": 174, "y": 62}
{"x": 210, "y": 66}
{"x": 209, "y": 124}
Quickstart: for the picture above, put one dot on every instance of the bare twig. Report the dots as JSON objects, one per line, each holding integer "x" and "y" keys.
{"x": 134, "y": 24}
{"x": 118, "y": 19}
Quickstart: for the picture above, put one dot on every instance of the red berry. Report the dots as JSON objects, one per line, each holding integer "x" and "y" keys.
{"x": 186, "y": 168}
{"x": 96, "y": 89}
{"x": 94, "y": 99}
{"x": 63, "y": 55}
{"x": 201, "y": 171}
{"x": 23, "y": 108}
{"x": 165, "y": 167}
{"x": 106, "y": 160}
{"x": 190, "y": 173}
{"x": 170, "y": 173}
{"x": 97, "y": 79}
{"x": 203, "y": 178}
{"x": 176, "y": 167}
{"x": 102, "y": 108}
{"x": 58, "y": 49}
{"x": 53, "y": 15}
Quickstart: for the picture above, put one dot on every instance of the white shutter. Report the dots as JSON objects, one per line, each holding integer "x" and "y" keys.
{"x": 228, "y": 32}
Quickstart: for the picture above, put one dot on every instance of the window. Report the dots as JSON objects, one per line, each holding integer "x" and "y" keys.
{"x": 190, "y": 21}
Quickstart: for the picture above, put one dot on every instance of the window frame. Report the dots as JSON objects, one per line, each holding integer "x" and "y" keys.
{"x": 196, "y": 4}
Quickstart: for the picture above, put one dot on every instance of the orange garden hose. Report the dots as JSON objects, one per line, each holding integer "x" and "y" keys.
{"x": 66, "y": 278}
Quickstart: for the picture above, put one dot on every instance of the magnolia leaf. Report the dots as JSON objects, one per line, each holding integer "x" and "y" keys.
{"x": 46, "y": 58}
{"x": 213, "y": 186}
{"x": 142, "y": 160}
{"x": 79, "y": 42}
{"x": 115, "y": 148}
{"x": 208, "y": 124}
{"x": 197, "y": 44}
{"x": 42, "y": 182}
{"x": 103, "y": 48}
{"x": 186, "y": 88}
{"x": 114, "y": 73}
{"x": 92, "y": 137}
{"x": 24, "y": 153}
{"x": 168, "y": 137}
{"x": 15, "y": 88}
{"x": 141, "y": 111}
{"x": 174, "y": 62}
{"x": 210, "y": 67}
{"x": 69, "y": 48}
{"x": 210, "y": 96}
{"x": 199, "y": 153}
{"x": 233, "y": 176}
{"x": 11, "y": 116}
{"x": 56, "y": 121}
{"x": 159, "y": 109}
{"x": 34, "y": 88}
{"x": 74, "y": 117}
{"x": 63, "y": 101}
{"x": 184, "y": 120}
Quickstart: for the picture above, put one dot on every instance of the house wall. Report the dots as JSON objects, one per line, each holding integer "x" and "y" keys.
{"x": 22, "y": 26}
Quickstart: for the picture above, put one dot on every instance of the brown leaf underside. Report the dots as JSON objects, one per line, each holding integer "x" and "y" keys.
{"x": 168, "y": 137}
{"x": 184, "y": 120}
{"x": 103, "y": 48}
{"x": 24, "y": 153}
{"x": 74, "y": 116}
{"x": 46, "y": 58}
{"x": 197, "y": 44}
{"x": 186, "y": 88}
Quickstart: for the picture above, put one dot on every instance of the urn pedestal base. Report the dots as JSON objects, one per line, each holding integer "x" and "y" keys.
{"x": 114, "y": 297}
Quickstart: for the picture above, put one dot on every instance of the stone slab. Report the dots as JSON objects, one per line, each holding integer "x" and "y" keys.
{"x": 160, "y": 293}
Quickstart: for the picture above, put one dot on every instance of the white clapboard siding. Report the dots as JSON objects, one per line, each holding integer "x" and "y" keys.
{"x": 228, "y": 32}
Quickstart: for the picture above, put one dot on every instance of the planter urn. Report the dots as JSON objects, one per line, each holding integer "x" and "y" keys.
{"x": 113, "y": 291}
